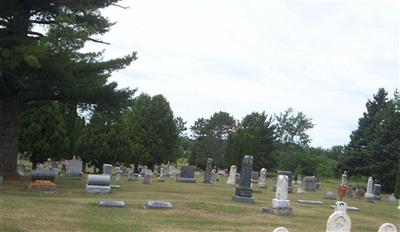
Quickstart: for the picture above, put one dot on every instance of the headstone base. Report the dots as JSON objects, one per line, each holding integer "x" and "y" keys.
{"x": 43, "y": 185}
{"x": 231, "y": 184}
{"x": 377, "y": 197}
{"x": 277, "y": 211}
{"x": 159, "y": 205}
{"x": 186, "y": 180}
{"x": 257, "y": 190}
{"x": 111, "y": 204}
{"x": 242, "y": 199}
{"x": 98, "y": 189}
{"x": 280, "y": 203}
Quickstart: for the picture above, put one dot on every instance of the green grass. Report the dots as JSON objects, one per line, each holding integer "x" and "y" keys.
{"x": 197, "y": 207}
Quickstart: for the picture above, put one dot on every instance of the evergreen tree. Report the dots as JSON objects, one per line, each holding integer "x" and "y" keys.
{"x": 43, "y": 133}
{"x": 374, "y": 146}
{"x": 41, "y": 59}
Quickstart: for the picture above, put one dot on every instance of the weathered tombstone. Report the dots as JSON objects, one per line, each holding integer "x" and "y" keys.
{"x": 280, "y": 229}
{"x": 387, "y": 227}
{"x": 243, "y": 192}
{"x": 207, "y": 173}
{"x": 167, "y": 170}
{"x": 329, "y": 195}
{"x": 339, "y": 221}
{"x": 161, "y": 178}
{"x": 107, "y": 169}
{"x": 21, "y": 169}
{"x": 254, "y": 177}
{"x": 311, "y": 183}
{"x": 289, "y": 174}
{"x": 377, "y": 191}
{"x": 214, "y": 177}
{"x": 360, "y": 193}
{"x": 147, "y": 177}
{"x": 262, "y": 183}
{"x": 42, "y": 180}
{"x": 130, "y": 176}
{"x": 280, "y": 203}
{"x": 118, "y": 174}
{"x": 159, "y": 205}
{"x": 299, "y": 178}
{"x": 111, "y": 204}
{"x": 391, "y": 197}
{"x": 232, "y": 176}
{"x": 74, "y": 168}
{"x": 369, "y": 195}
{"x": 98, "y": 184}
{"x": 187, "y": 175}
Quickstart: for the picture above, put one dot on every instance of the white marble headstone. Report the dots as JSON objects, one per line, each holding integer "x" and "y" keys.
{"x": 341, "y": 206}
{"x": 281, "y": 195}
{"x": 281, "y": 229}
{"x": 232, "y": 176}
{"x": 339, "y": 221}
{"x": 262, "y": 182}
{"x": 370, "y": 188}
{"x": 387, "y": 227}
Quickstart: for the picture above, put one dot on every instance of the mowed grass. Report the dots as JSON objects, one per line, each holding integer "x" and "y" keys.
{"x": 197, "y": 207}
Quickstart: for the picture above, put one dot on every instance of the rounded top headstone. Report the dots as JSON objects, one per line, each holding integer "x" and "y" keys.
{"x": 387, "y": 227}
{"x": 281, "y": 229}
{"x": 341, "y": 206}
{"x": 339, "y": 221}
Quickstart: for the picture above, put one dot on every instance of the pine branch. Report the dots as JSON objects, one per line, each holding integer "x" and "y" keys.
{"x": 98, "y": 41}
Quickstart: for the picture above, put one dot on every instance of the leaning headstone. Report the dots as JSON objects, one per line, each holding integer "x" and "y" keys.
{"x": 111, "y": 204}
{"x": 159, "y": 205}
{"x": 107, "y": 169}
{"x": 187, "y": 175}
{"x": 98, "y": 184}
{"x": 339, "y": 221}
{"x": 377, "y": 191}
{"x": 387, "y": 227}
{"x": 207, "y": 173}
{"x": 161, "y": 178}
{"x": 74, "y": 168}
{"x": 311, "y": 183}
{"x": 232, "y": 176}
{"x": 243, "y": 192}
{"x": 21, "y": 169}
{"x": 280, "y": 203}
{"x": 369, "y": 195}
{"x": 262, "y": 183}
{"x": 280, "y": 229}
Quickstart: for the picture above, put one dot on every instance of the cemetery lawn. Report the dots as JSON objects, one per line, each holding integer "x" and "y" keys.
{"x": 197, "y": 207}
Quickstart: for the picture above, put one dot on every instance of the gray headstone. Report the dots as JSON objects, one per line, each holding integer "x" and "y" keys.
{"x": 159, "y": 205}
{"x": 377, "y": 189}
{"x": 329, "y": 195}
{"x": 311, "y": 183}
{"x": 1, "y": 179}
{"x": 243, "y": 192}
{"x": 207, "y": 173}
{"x": 43, "y": 175}
{"x": 111, "y": 204}
{"x": 101, "y": 180}
{"x": 130, "y": 176}
{"x": 187, "y": 175}
{"x": 21, "y": 169}
{"x": 74, "y": 168}
{"x": 97, "y": 189}
{"x": 107, "y": 169}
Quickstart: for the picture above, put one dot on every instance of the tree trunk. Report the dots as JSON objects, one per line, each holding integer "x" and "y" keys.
{"x": 9, "y": 135}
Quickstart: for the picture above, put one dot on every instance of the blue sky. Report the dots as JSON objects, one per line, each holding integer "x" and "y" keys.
{"x": 324, "y": 58}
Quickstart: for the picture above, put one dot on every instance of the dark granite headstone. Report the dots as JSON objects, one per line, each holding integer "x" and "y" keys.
{"x": 377, "y": 189}
{"x": 207, "y": 173}
{"x": 311, "y": 183}
{"x": 43, "y": 175}
{"x": 187, "y": 175}
{"x": 243, "y": 191}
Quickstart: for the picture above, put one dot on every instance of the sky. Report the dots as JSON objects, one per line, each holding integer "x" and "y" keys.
{"x": 323, "y": 58}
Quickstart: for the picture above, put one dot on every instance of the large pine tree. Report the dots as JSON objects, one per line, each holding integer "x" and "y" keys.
{"x": 374, "y": 149}
{"x": 41, "y": 60}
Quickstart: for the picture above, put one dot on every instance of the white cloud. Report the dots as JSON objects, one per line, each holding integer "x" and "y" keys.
{"x": 324, "y": 58}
